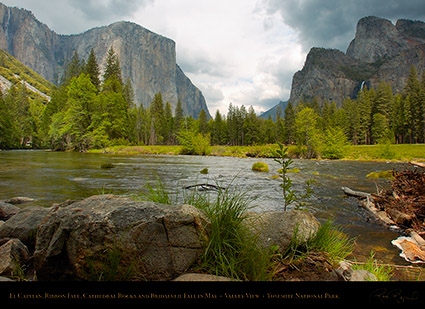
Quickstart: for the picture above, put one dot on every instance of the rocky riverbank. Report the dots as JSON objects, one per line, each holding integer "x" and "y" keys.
{"x": 402, "y": 208}
{"x": 109, "y": 237}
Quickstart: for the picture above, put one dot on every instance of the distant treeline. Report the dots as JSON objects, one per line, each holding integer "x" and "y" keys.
{"x": 89, "y": 111}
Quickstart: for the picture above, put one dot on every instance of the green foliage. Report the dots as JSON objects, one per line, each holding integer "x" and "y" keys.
{"x": 329, "y": 239}
{"x": 289, "y": 194}
{"x": 334, "y": 143}
{"x": 194, "y": 143}
{"x": 382, "y": 272}
{"x": 307, "y": 132}
{"x": 232, "y": 249}
{"x": 86, "y": 113}
{"x": 285, "y": 161}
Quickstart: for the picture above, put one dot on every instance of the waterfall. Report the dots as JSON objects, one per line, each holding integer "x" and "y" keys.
{"x": 362, "y": 85}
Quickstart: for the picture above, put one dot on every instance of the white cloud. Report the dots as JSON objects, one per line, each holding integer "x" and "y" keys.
{"x": 235, "y": 46}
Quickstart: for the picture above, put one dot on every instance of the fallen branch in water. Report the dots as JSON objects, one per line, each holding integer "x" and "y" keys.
{"x": 206, "y": 187}
{"x": 368, "y": 203}
{"x": 358, "y": 194}
{"x": 419, "y": 164}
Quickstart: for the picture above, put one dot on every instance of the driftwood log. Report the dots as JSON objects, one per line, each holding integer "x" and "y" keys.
{"x": 205, "y": 187}
{"x": 418, "y": 164}
{"x": 367, "y": 202}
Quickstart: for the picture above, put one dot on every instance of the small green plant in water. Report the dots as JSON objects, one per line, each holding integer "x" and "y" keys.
{"x": 289, "y": 194}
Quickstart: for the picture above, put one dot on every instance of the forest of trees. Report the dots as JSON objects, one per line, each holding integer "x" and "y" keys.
{"x": 92, "y": 111}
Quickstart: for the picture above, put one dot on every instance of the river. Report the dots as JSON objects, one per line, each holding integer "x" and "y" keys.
{"x": 52, "y": 177}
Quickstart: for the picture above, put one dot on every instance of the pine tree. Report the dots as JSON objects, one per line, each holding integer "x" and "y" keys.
{"x": 219, "y": 130}
{"x": 415, "y": 97}
{"x": 79, "y": 112}
{"x": 129, "y": 93}
{"x": 289, "y": 124}
{"x": 113, "y": 110}
{"x": 92, "y": 69}
{"x": 74, "y": 68}
{"x": 251, "y": 128}
{"x": 113, "y": 67}
{"x": 202, "y": 122}
{"x": 157, "y": 120}
{"x": 168, "y": 124}
{"x": 365, "y": 102}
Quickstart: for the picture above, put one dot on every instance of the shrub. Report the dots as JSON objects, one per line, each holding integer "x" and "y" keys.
{"x": 194, "y": 143}
{"x": 260, "y": 167}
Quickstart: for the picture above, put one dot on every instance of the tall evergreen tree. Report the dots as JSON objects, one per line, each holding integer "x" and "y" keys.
{"x": 414, "y": 95}
{"x": 251, "y": 128}
{"x": 113, "y": 67}
{"x": 157, "y": 120}
{"x": 202, "y": 122}
{"x": 129, "y": 93}
{"x": 289, "y": 124}
{"x": 74, "y": 68}
{"x": 92, "y": 69}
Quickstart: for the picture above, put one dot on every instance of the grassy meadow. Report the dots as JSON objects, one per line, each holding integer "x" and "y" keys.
{"x": 403, "y": 152}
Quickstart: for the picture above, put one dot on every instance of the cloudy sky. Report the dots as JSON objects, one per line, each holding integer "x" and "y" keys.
{"x": 239, "y": 51}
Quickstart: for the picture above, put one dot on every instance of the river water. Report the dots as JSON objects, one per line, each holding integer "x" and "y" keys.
{"x": 52, "y": 177}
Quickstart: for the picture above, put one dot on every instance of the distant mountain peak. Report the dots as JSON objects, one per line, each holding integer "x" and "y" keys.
{"x": 147, "y": 59}
{"x": 380, "y": 51}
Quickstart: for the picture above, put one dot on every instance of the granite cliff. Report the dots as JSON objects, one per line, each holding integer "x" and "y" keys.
{"x": 380, "y": 51}
{"x": 148, "y": 59}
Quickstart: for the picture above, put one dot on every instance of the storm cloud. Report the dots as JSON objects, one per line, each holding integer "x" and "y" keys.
{"x": 332, "y": 23}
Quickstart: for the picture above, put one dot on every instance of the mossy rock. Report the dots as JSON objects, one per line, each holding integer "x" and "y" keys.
{"x": 381, "y": 174}
{"x": 260, "y": 167}
{"x": 204, "y": 171}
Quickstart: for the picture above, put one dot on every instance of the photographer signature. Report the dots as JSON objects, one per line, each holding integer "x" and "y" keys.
{"x": 395, "y": 295}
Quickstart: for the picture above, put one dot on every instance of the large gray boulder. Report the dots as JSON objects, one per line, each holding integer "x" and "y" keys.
{"x": 23, "y": 225}
{"x": 279, "y": 228}
{"x": 7, "y": 211}
{"x": 13, "y": 255}
{"x": 114, "y": 238}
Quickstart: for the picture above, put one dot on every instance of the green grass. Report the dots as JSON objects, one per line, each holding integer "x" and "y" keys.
{"x": 402, "y": 152}
{"x": 231, "y": 249}
{"x": 405, "y": 152}
{"x": 382, "y": 272}
{"x": 329, "y": 239}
